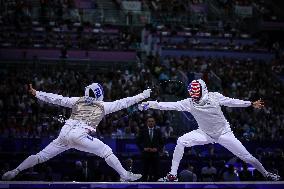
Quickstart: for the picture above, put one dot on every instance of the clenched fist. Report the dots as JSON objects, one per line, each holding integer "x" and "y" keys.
{"x": 258, "y": 104}
{"x": 146, "y": 93}
{"x": 32, "y": 91}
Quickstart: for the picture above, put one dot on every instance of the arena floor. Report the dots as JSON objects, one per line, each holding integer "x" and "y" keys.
{"x": 85, "y": 185}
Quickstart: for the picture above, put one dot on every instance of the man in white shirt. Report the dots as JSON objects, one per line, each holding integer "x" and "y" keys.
{"x": 87, "y": 112}
{"x": 213, "y": 127}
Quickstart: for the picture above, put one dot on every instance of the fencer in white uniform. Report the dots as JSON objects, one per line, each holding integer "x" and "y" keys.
{"x": 87, "y": 112}
{"x": 213, "y": 127}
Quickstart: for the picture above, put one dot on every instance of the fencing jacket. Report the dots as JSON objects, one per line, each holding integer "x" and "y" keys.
{"x": 87, "y": 110}
{"x": 207, "y": 112}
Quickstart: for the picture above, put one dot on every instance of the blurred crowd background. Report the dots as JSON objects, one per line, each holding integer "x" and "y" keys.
{"x": 61, "y": 46}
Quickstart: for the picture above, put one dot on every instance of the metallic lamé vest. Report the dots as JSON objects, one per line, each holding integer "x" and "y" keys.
{"x": 88, "y": 111}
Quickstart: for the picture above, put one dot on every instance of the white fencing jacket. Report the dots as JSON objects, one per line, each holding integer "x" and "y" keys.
{"x": 207, "y": 112}
{"x": 85, "y": 110}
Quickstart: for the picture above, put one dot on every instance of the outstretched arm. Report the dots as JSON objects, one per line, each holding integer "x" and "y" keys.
{"x": 178, "y": 106}
{"x": 231, "y": 102}
{"x": 53, "y": 98}
{"x": 125, "y": 102}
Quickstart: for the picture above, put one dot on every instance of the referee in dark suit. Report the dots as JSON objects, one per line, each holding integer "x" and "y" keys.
{"x": 150, "y": 142}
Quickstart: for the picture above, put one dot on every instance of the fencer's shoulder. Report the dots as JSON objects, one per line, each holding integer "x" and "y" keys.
{"x": 80, "y": 99}
{"x": 186, "y": 100}
{"x": 215, "y": 94}
{"x": 100, "y": 102}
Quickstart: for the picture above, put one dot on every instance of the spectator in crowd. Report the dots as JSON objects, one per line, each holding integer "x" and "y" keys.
{"x": 129, "y": 164}
{"x": 245, "y": 174}
{"x": 230, "y": 174}
{"x": 209, "y": 152}
{"x": 209, "y": 172}
{"x": 222, "y": 169}
{"x": 167, "y": 130}
{"x": 78, "y": 174}
{"x": 187, "y": 175}
{"x": 96, "y": 173}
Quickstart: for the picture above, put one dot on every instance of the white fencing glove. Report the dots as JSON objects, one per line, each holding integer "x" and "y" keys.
{"x": 146, "y": 93}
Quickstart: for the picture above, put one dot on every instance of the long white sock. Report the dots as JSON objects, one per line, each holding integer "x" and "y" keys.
{"x": 29, "y": 162}
{"x": 256, "y": 164}
{"x": 177, "y": 156}
{"x": 113, "y": 162}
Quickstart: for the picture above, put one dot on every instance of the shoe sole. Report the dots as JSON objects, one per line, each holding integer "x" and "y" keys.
{"x": 131, "y": 180}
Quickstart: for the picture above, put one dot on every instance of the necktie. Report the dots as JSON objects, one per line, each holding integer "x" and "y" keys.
{"x": 151, "y": 134}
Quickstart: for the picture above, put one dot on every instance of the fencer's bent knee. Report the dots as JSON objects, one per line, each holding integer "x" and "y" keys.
{"x": 36, "y": 158}
{"x": 107, "y": 151}
{"x": 40, "y": 158}
{"x": 181, "y": 142}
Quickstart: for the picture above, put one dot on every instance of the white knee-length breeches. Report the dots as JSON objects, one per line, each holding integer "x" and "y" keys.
{"x": 74, "y": 136}
{"x": 228, "y": 140}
